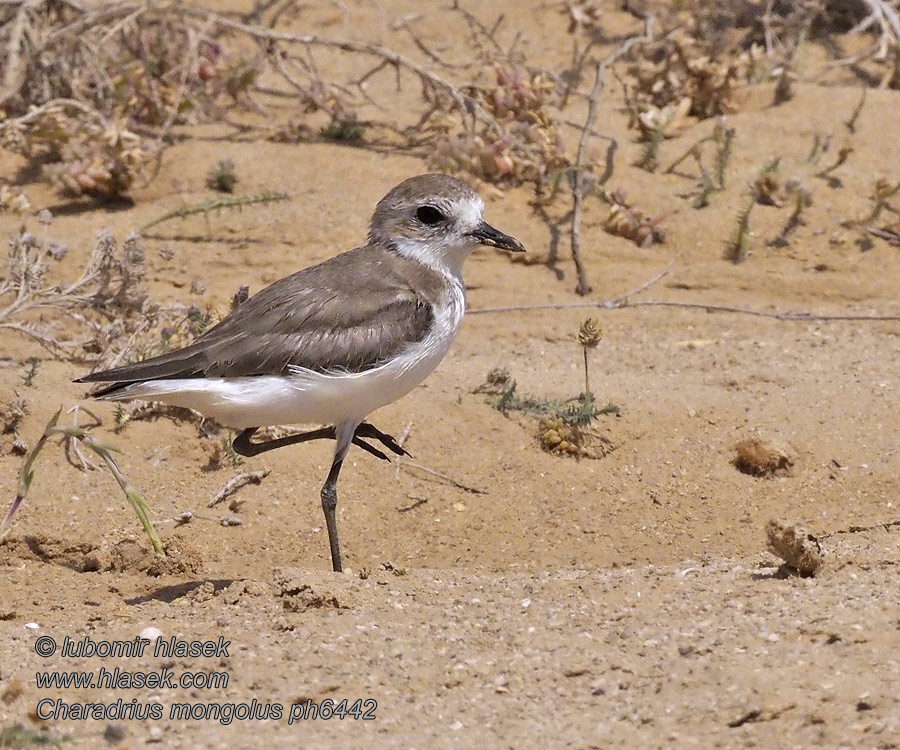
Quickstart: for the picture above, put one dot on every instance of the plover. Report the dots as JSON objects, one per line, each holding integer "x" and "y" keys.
{"x": 334, "y": 342}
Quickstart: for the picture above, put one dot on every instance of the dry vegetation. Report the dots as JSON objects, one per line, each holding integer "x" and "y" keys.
{"x": 104, "y": 314}
{"x": 91, "y": 96}
{"x": 799, "y": 549}
{"x": 632, "y": 138}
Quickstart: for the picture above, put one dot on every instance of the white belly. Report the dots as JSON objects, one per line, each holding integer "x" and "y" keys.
{"x": 304, "y": 396}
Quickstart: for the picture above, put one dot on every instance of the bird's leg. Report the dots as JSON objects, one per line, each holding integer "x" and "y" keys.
{"x": 245, "y": 447}
{"x": 344, "y": 434}
{"x": 370, "y": 431}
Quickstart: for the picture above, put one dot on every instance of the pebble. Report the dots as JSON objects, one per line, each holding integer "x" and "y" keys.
{"x": 114, "y": 733}
{"x": 151, "y": 633}
{"x": 32, "y": 625}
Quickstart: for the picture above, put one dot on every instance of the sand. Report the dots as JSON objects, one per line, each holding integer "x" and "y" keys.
{"x": 628, "y": 600}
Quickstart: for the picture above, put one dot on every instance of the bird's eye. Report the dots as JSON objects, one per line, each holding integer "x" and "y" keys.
{"x": 429, "y": 215}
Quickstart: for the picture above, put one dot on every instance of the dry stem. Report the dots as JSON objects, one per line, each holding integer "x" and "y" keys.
{"x": 624, "y": 300}
{"x": 235, "y": 483}
{"x": 433, "y": 472}
{"x": 79, "y": 434}
{"x": 583, "y": 287}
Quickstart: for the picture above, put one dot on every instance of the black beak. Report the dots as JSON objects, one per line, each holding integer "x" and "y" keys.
{"x": 485, "y": 234}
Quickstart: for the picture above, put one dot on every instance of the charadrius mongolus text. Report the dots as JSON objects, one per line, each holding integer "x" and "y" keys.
{"x": 334, "y": 342}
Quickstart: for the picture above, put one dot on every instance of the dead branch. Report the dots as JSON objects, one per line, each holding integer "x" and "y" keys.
{"x": 850, "y": 123}
{"x": 623, "y": 298}
{"x": 583, "y": 287}
{"x": 405, "y": 24}
{"x": 122, "y": 75}
{"x": 56, "y": 104}
{"x": 476, "y": 27}
{"x": 432, "y": 472}
{"x": 624, "y": 301}
{"x": 885, "y": 525}
{"x": 13, "y": 76}
{"x": 892, "y": 237}
{"x": 417, "y": 501}
{"x": 887, "y": 18}
{"x": 96, "y": 313}
{"x": 465, "y": 104}
{"x": 404, "y": 436}
{"x": 611, "y": 305}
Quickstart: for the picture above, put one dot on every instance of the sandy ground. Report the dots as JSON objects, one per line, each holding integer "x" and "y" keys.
{"x": 627, "y": 600}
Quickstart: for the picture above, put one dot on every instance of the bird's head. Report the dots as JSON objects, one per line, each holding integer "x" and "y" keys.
{"x": 436, "y": 219}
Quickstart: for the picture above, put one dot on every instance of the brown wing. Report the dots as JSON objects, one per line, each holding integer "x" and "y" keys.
{"x": 349, "y": 313}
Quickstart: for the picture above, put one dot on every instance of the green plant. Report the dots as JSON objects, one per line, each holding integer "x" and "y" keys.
{"x": 694, "y": 151}
{"x": 724, "y": 139}
{"x": 563, "y": 424}
{"x": 706, "y": 188}
{"x": 842, "y": 156}
{"x": 739, "y": 243}
{"x": 217, "y": 204}
{"x": 819, "y": 147}
{"x": 348, "y": 131}
{"x": 19, "y": 737}
{"x": 801, "y": 200}
{"x": 222, "y": 176}
{"x": 711, "y": 180}
{"x": 648, "y": 159}
{"x": 103, "y": 451}
{"x": 31, "y": 371}
{"x": 767, "y": 185}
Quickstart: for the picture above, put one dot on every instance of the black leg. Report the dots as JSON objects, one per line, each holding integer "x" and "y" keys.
{"x": 329, "y": 506}
{"x": 370, "y": 431}
{"x": 243, "y": 445}
{"x": 343, "y": 436}
{"x": 369, "y": 448}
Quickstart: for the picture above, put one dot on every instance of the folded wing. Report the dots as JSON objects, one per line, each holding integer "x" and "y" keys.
{"x": 321, "y": 318}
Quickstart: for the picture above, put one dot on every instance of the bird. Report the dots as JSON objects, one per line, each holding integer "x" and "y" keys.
{"x": 332, "y": 343}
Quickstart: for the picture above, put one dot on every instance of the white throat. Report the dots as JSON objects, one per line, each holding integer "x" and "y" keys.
{"x": 447, "y": 261}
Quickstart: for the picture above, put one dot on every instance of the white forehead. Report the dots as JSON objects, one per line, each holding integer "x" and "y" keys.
{"x": 468, "y": 210}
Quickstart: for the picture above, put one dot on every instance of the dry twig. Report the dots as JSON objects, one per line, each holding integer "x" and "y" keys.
{"x": 235, "y": 483}
{"x": 434, "y": 473}
{"x": 883, "y": 525}
{"x": 624, "y": 301}
{"x": 110, "y": 285}
{"x": 583, "y": 287}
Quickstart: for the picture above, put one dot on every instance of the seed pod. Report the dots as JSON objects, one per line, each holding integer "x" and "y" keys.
{"x": 590, "y": 333}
